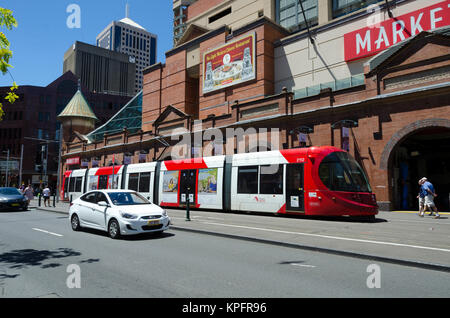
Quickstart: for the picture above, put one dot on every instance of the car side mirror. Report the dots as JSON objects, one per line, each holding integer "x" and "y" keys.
{"x": 103, "y": 203}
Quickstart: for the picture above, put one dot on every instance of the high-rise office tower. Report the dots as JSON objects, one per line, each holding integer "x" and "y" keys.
{"x": 126, "y": 36}
{"x": 101, "y": 70}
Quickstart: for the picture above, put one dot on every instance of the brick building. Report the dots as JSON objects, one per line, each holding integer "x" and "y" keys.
{"x": 32, "y": 119}
{"x": 380, "y": 92}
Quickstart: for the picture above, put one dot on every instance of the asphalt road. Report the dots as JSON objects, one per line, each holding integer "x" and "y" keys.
{"x": 38, "y": 250}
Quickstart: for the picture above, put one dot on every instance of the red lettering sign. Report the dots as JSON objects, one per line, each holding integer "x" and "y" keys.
{"x": 376, "y": 38}
{"x": 73, "y": 161}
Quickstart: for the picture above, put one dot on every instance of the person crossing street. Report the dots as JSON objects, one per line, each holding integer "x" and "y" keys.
{"x": 427, "y": 189}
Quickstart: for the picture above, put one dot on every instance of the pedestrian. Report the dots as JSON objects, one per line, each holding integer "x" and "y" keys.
{"x": 46, "y": 192}
{"x": 427, "y": 189}
{"x": 421, "y": 197}
{"x": 29, "y": 193}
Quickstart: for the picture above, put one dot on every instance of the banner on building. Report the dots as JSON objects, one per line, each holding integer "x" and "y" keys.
{"x": 229, "y": 64}
{"x": 73, "y": 161}
{"x": 379, "y": 36}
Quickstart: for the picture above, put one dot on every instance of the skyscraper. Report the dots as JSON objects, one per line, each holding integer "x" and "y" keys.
{"x": 126, "y": 36}
{"x": 101, "y": 70}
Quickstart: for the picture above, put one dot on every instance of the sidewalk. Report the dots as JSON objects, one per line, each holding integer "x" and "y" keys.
{"x": 394, "y": 237}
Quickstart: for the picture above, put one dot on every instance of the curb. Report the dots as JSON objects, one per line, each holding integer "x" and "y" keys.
{"x": 409, "y": 263}
{"x": 53, "y": 211}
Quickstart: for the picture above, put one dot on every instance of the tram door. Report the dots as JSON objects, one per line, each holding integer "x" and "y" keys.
{"x": 295, "y": 187}
{"x": 187, "y": 186}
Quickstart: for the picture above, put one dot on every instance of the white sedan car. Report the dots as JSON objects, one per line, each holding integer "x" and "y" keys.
{"x": 119, "y": 212}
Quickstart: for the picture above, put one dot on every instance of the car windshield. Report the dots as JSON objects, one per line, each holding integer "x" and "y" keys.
{"x": 9, "y": 191}
{"x": 127, "y": 198}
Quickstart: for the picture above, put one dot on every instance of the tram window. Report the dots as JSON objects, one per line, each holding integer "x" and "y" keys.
{"x": 340, "y": 172}
{"x": 271, "y": 179}
{"x": 144, "y": 182}
{"x": 103, "y": 182}
{"x": 334, "y": 176}
{"x": 78, "y": 183}
{"x": 93, "y": 183}
{"x": 113, "y": 181}
{"x": 133, "y": 181}
{"x": 248, "y": 179}
{"x": 71, "y": 184}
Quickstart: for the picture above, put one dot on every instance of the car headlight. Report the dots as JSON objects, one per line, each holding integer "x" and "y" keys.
{"x": 128, "y": 215}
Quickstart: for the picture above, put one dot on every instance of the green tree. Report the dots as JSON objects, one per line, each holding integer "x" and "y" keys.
{"x": 7, "y": 21}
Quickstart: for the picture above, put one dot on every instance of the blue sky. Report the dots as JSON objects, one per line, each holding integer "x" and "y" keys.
{"x": 42, "y": 36}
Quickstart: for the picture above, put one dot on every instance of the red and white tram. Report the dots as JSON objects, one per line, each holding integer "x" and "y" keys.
{"x": 306, "y": 181}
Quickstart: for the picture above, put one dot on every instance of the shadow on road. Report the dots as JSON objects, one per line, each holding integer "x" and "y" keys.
{"x": 136, "y": 237}
{"x": 147, "y": 236}
{"x": 19, "y": 259}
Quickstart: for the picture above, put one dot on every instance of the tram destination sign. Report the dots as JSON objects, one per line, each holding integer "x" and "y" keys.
{"x": 379, "y": 36}
{"x": 230, "y": 64}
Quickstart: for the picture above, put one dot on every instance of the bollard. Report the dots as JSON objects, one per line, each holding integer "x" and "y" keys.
{"x": 39, "y": 200}
{"x": 188, "y": 217}
{"x": 54, "y": 201}
{"x": 70, "y": 199}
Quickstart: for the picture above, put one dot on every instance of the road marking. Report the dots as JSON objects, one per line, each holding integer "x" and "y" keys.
{"x": 303, "y": 265}
{"x": 334, "y": 237}
{"x": 47, "y": 232}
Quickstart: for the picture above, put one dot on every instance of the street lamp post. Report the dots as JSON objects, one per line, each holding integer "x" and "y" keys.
{"x": 21, "y": 164}
{"x": 47, "y": 141}
{"x": 7, "y": 167}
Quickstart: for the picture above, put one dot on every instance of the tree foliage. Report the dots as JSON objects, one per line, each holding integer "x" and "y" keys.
{"x": 7, "y": 21}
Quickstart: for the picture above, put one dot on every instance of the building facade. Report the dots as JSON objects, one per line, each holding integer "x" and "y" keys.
{"x": 101, "y": 70}
{"x": 372, "y": 81}
{"x": 128, "y": 37}
{"x": 31, "y": 122}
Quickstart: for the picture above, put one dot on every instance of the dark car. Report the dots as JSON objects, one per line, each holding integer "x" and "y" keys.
{"x": 12, "y": 199}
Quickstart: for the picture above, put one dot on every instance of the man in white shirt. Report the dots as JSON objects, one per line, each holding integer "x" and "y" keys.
{"x": 46, "y": 194}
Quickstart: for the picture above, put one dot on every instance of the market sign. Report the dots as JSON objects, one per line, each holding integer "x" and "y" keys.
{"x": 378, "y": 37}
{"x": 229, "y": 64}
{"x": 73, "y": 161}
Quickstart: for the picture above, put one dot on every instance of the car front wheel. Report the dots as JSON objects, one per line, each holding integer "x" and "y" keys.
{"x": 75, "y": 222}
{"x": 114, "y": 229}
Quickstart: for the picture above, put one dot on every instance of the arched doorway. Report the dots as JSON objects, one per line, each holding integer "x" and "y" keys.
{"x": 422, "y": 151}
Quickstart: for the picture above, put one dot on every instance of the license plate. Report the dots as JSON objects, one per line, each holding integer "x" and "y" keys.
{"x": 15, "y": 204}
{"x": 157, "y": 222}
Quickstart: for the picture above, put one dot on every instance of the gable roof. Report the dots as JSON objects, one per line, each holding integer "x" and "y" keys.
{"x": 170, "y": 109}
{"x": 191, "y": 30}
{"x": 382, "y": 58}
